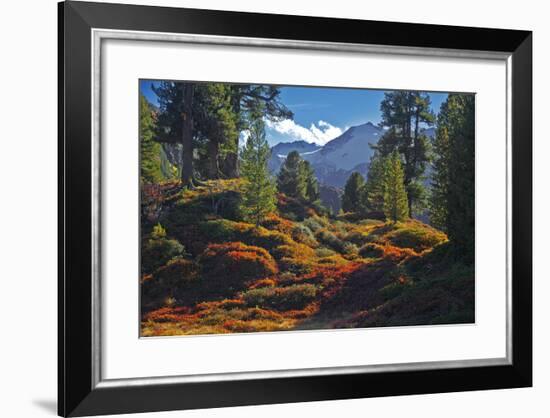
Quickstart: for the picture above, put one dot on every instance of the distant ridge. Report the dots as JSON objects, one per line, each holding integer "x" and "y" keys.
{"x": 334, "y": 162}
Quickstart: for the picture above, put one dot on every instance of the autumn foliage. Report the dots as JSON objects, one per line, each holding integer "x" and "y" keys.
{"x": 209, "y": 271}
{"x": 232, "y": 265}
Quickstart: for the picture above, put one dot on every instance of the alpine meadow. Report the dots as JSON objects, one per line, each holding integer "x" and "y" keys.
{"x": 281, "y": 208}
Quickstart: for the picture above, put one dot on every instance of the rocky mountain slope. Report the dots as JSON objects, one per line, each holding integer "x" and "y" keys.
{"x": 336, "y": 160}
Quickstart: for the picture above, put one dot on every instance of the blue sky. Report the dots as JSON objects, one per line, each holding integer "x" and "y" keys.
{"x": 320, "y": 113}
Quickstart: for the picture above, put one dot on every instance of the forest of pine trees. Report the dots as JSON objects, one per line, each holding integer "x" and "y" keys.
{"x": 396, "y": 182}
{"x": 203, "y": 122}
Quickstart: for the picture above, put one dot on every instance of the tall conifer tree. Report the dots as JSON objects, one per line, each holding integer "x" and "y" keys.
{"x": 406, "y": 113}
{"x": 438, "y": 206}
{"x": 373, "y": 192}
{"x": 150, "y": 164}
{"x": 215, "y": 125}
{"x": 291, "y": 179}
{"x": 259, "y": 189}
{"x": 175, "y": 123}
{"x": 246, "y": 99}
{"x": 312, "y": 186}
{"x": 452, "y": 205}
{"x": 352, "y": 197}
{"x": 395, "y": 195}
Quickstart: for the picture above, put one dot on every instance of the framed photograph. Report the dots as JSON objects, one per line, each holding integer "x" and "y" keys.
{"x": 265, "y": 208}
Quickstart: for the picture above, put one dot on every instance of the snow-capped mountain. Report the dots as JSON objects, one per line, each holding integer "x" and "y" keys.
{"x": 349, "y": 149}
{"x": 282, "y": 149}
{"x": 338, "y": 158}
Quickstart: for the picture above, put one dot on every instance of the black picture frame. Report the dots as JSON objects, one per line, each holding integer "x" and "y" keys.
{"x": 77, "y": 393}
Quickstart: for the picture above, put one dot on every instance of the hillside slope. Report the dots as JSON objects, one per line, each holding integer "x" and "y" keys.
{"x": 206, "y": 271}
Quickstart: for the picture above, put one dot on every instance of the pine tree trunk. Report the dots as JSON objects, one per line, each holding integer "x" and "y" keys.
{"x": 213, "y": 156}
{"x": 416, "y": 131}
{"x": 232, "y": 165}
{"x": 187, "y": 135}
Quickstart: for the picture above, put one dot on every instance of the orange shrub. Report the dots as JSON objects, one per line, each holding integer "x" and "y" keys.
{"x": 330, "y": 275}
{"x": 267, "y": 239}
{"x": 296, "y": 258}
{"x": 275, "y": 222}
{"x": 167, "y": 314}
{"x": 174, "y": 278}
{"x": 176, "y": 271}
{"x": 230, "y": 266}
{"x": 397, "y": 254}
{"x": 263, "y": 283}
{"x": 223, "y": 230}
{"x": 230, "y": 304}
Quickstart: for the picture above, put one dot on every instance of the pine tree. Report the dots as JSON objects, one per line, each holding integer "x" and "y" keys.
{"x": 150, "y": 151}
{"x": 246, "y": 100}
{"x": 215, "y": 127}
{"x": 353, "y": 190}
{"x": 175, "y": 124}
{"x": 259, "y": 189}
{"x": 395, "y": 195}
{"x": 312, "y": 194}
{"x": 206, "y": 118}
{"x": 454, "y": 177}
{"x": 373, "y": 192}
{"x": 440, "y": 177}
{"x": 406, "y": 113}
{"x": 291, "y": 179}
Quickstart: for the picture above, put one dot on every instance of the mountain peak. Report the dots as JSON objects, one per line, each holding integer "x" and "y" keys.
{"x": 299, "y": 145}
{"x": 282, "y": 149}
{"x": 337, "y": 158}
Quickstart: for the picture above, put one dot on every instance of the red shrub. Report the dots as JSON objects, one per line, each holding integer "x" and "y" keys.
{"x": 176, "y": 271}
{"x": 230, "y": 266}
{"x": 263, "y": 283}
{"x": 329, "y": 275}
{"x": 174, "y": 278}
{"x": 275, "y": 222}
{"x": 167, "y": 314}
{"x": 397, "y": 254}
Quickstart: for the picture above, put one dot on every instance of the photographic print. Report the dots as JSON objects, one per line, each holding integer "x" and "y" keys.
{"x": 283, "y": 208}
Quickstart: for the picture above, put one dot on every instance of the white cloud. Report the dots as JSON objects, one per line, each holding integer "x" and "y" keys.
{"x": 319, "y": 133}
{"x": 243, "y": 137}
